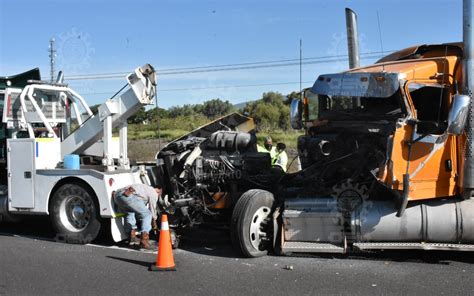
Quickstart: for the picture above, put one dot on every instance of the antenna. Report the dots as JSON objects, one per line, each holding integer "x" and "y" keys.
{"x": 52, "y": 57}
{"x": 301, "y": 68}
{"x": 380, "y": 32}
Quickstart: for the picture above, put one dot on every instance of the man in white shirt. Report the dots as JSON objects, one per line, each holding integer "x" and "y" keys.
{"x": 139, "y": 201}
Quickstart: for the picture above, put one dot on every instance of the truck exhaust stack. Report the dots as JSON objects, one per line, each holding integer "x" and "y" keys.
{"x": 352, "y": 39}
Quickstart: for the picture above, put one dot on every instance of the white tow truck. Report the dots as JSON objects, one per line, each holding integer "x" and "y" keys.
{"x": 44, "y": 122}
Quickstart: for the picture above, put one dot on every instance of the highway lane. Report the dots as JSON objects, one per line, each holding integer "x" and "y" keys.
{"x": 30, "y": 263}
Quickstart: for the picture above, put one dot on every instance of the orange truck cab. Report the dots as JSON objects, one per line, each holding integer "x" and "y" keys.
{"x": 383, "y": 158}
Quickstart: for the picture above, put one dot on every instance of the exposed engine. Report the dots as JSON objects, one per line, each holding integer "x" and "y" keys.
{"x": 331, "y": 157}
{"x": 205, "y": 174}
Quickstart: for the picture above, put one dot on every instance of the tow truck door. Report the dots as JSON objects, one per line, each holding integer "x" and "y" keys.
{"x": 21, "y": 172}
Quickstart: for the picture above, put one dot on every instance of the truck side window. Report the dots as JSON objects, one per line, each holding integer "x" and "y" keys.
{"x": 313, "y": 105}
{"x": 431, "y": 104}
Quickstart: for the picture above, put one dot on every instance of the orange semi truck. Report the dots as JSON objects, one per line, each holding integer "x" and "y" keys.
{"x": 387, "y": 161}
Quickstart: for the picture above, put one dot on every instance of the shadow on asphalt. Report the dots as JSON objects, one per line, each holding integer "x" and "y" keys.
{"x": 136, "y": 262}
{"x": 207, "y": 240}
{"x": 414, "y": 256}
{"x": 37, "y": 227}
{"x": 215, "y": 241}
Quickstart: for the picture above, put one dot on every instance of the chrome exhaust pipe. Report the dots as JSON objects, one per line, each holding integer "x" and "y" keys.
{"x": 352, "y": 39}
{"x": 468, "y": 87}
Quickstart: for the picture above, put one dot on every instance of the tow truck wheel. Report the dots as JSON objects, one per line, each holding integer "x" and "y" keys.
{"x": 74, "y": 215}
{"x": 251, "y": 223}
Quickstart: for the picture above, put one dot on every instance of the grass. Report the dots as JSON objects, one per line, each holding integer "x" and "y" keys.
{"x": 144, "y": 143}
{"x": 141, "y": 132}
{"x": 290, "y": 138}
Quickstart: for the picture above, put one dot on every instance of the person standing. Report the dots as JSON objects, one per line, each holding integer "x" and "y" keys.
{"x": 268, "y": 148}
{"x": 281, "y": 158}
{"x": 139, "y": 201}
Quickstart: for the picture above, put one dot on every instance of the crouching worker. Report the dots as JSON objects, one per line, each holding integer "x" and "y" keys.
{"x": 138, "y": 201}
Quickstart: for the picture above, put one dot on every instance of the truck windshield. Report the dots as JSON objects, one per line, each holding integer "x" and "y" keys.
{"x": 353, "y": 108}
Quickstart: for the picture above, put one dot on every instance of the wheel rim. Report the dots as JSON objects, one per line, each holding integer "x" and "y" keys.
{"x": 256, "y": 227}
{"x": 75, "y": 212}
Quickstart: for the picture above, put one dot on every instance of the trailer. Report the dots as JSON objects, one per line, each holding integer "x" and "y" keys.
{"x": 45, "y": 124}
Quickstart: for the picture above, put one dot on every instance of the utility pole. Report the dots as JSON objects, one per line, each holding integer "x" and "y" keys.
{"x": 52, "y": 57}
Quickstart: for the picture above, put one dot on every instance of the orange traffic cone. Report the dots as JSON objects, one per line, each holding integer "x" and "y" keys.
{"x": 164, "y": 259}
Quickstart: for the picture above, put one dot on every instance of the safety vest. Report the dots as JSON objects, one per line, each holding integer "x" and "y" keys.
{"x": 273, "y": 152}
{"x": 281, "y": 160}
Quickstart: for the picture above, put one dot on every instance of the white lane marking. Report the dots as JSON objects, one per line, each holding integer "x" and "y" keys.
{"x": 27, "y": 236}
{"x": 123, "y": 249}
{"x": 91, "y": 245}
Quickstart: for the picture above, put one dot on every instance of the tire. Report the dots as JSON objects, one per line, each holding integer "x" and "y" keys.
{"x": 74, "y": 215}
{"x": 174, "y": 239}
{"x": 251, "y": 224}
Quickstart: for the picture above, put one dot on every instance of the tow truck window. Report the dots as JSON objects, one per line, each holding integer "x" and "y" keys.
{"x": 2, "y": 100}
{"x": 2, "y": 129}
{"x": 75, "y": 116}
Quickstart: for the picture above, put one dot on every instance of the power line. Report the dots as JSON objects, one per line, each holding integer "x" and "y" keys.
{"x": 232, "y": 67}
{"x": 211, "y": 87}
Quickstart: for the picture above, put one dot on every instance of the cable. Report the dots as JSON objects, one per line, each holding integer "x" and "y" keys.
{"x": 210, "y": 87}
{"x": 232, "y": 67}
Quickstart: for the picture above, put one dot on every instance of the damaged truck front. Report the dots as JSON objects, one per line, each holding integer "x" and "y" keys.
{"x": 381, "y": 163}
{"x": 205, "y": 172}
{"x": 382, "y": 159}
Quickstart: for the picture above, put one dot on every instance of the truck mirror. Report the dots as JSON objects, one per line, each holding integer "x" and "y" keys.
{"x": 458, "y": 114}
{"x": 296, "y": 114}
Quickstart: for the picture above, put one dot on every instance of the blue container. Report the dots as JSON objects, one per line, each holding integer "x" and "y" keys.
{"x": 71, "y": 162}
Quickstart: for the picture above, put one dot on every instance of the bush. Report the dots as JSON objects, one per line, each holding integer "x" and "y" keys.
{"x": 270, "y": 113}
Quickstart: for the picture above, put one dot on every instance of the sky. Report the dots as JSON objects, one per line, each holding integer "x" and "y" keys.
{"x": 96, "y": 37}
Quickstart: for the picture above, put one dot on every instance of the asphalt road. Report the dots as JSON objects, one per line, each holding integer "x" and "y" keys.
{"x": 32, "y": 264}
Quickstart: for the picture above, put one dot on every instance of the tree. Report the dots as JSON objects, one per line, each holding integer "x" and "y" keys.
{"x": 273, "y": 98}
{"x": 270, "y": 112}
{"x": 155, "y": 114}
{"x": 185, "y": 110}
{"x": 139, "y": 117}
{"x": 216, "y": 108}
{"x": 290, "y": 97}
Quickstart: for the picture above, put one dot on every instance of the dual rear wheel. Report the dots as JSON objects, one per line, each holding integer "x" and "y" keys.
{"x": 74, "y": 214}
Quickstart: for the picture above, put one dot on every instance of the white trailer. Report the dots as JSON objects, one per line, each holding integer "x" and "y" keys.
{"x": 44, "y": 122}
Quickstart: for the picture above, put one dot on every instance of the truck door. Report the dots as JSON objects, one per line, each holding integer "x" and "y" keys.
{"x": 21, "y": 172}
{"x": 432, "y": 159}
